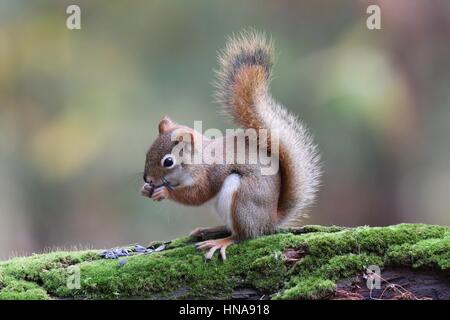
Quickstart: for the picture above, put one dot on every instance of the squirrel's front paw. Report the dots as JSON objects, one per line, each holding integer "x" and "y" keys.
{"x": 160, "y": 194}
{"x": 147, "y": 190}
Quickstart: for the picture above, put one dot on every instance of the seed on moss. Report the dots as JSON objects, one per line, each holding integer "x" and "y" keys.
{"x": 122, "y": 262}
{"x": 139, "y": 248}
{"x": 160, "y": 248}
{"x": 114, "y": 253}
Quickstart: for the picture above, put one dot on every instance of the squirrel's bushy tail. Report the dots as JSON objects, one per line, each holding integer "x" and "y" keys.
{"x": 243, "y": 89}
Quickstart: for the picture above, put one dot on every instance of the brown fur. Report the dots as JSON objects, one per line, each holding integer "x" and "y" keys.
{"x": 195, "y": 195}
{"x": 243, "y": 90}
{"x": 249, "y": 84}
{"x": 248, "y": 81}
{"x": 260, "y": 203}
{"x": 287, "y": 195}
{"x": 165, "y": 125}
{"x": 235, "y": 216}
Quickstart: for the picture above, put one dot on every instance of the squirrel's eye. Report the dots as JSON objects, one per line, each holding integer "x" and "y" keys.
{"x": 168, "y": 161}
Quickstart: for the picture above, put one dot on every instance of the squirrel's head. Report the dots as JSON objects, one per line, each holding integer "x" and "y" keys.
{"x": 163, "y": 163}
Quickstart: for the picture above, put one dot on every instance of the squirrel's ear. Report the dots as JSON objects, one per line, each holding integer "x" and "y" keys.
{"x": 187, "y": 135}
{"x": 165, "y": 125}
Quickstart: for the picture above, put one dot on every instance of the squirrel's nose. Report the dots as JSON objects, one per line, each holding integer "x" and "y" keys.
{"x": 150, "y": 180}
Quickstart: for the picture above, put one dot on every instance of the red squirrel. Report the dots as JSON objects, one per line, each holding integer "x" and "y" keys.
{"x": 248, "y": 203}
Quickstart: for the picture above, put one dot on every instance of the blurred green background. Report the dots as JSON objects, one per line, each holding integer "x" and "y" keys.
{"x": 79, "y": 108}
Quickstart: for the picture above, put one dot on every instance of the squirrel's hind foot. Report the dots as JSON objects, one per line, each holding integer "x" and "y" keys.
{"x": 214, "y": 245}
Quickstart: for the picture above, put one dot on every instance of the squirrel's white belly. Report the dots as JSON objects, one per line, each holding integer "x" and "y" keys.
{"x": 223, "y": 200}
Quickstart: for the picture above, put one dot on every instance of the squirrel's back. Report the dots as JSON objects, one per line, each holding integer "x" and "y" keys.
{"x": 243, "y": 89}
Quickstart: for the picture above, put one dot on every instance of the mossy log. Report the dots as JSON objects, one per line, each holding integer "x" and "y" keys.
{"x": 313, "y": 262}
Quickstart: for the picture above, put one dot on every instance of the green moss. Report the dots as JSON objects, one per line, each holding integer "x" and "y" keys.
{"x": 267, "y": 273}
{"x": 21, "y": 276}
{"x": 314, "y": 228}
{"x": 327, "y": 255}
{"x": 32, "y": 267}
{"x": 21, "y": 290}
{"x": 309, "y": 288}
{"x": 430, "y": 253}
{"x": 179, "y": 269}
{"x": 312, "y": 272}
{"x": 180, "y": 242}
{"x": 365, "y": 239}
